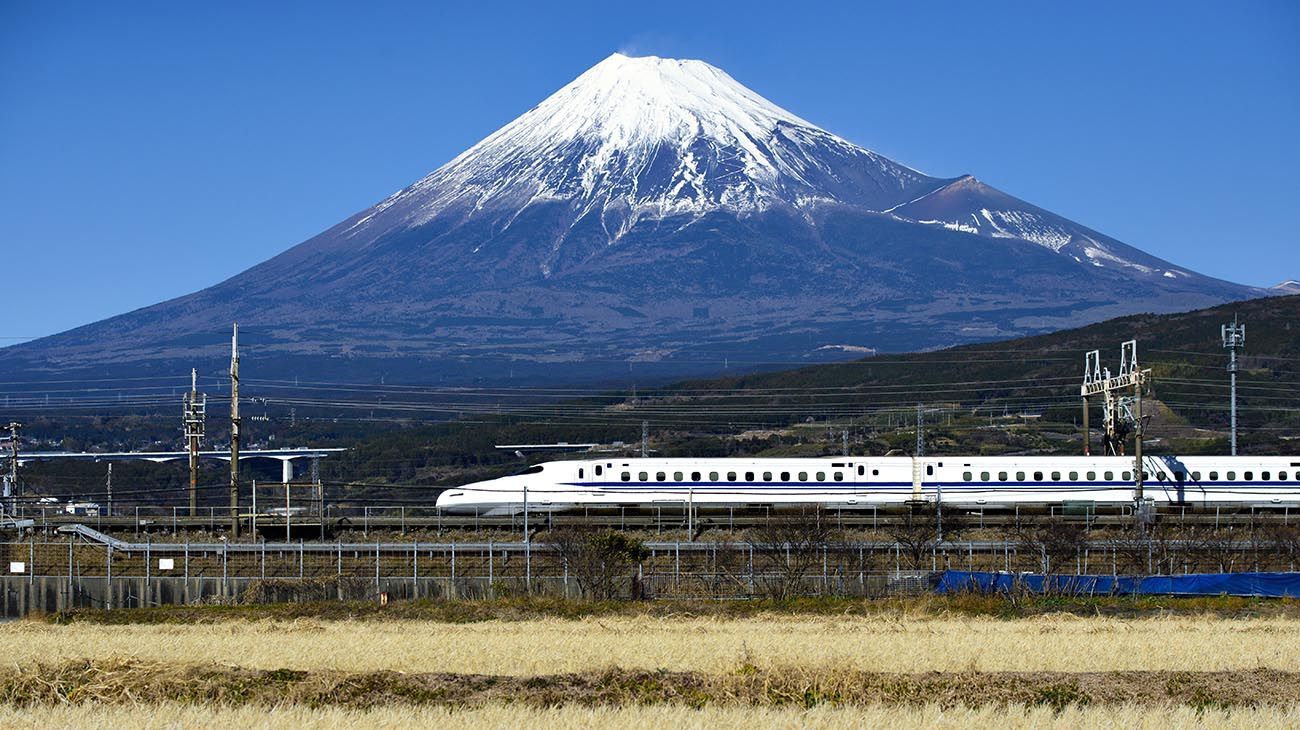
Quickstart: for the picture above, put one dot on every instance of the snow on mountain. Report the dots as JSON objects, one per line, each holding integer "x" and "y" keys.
{"x": 1290, "y": 286}
{"x": 659, "y": 137}
{"x": 966, "y": 204}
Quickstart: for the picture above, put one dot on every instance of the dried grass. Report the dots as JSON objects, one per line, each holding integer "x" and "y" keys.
{"x": 562, "y": 718}
{"x": 552, "y": 646}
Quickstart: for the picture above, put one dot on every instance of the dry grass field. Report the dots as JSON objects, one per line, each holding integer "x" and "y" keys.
{"x": 770, "y": 670}
{"x": 711, "y": 645}
{"x": 131, "y": 717}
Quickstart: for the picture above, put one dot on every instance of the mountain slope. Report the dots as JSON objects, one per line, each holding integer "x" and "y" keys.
{"x": 653, "y": 211}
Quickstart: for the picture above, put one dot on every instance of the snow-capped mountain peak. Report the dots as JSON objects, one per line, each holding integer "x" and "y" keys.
{"x": 637, "y": 136}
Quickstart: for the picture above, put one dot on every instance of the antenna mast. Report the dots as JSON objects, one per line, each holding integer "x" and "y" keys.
{"x": 234, "y": 432}
{"x": 1234, "y": 338}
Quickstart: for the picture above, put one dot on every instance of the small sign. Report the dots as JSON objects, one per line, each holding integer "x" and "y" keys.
{"x": 18, "y": 567}
{"x": 166, "y": 563}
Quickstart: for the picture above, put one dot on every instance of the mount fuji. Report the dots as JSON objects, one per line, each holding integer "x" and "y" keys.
{"x": 654, "y": 217}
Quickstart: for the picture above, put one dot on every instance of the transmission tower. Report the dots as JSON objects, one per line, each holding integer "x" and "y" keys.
{"x": 193, "y": 418}
{"x": 920, "y": 431}
{"x": 1121, "y": 413}
{"x": 1234, "y": 338}
{"x": 11, "y": 479}
{"x": 234, "y": 432}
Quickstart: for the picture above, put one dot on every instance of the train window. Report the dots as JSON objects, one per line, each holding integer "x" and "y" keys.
{"x": 1127, "y": 476}
{"x": 1231, "y": 476}
{"x": 599, "y": 470}
{"x": 1214, "y": 476}
{"x": 1146, "y": 476}
{"x": 532, "y": 470}
{"x": 1249, "y": 476}
{"x": 643, "y": 476}
{"x": 1110, "y": 475}
{"x": 1196, "y": 476}
{"x": 1002, "y": 476}
{"x": 767, "y": 476}
{"x": 579, "y": 472}
{"x": 713, "y": 476}
{"x": 1160, "y": 476}
{"x": 821, "y": 476}
{"x": 803, "y": 476}
{"x": 749, "y": 476}
{"x": 785, "y": 476}
{"x": 875, "y": 472}
{"x": 1038, "y": 476}
{"x": 677, "y": 476}
{"x": 1074, "y": 476}
{"x": 1056, "y": 476}
{"x": 929, "y": 470}
{"x": 1179, "y": 476}
{"x": 1020, "y": 476}
{"x": 695, "y": 476}
{"x": 862, "y": 470}
{"x": 627, "y": 476}
{"x": 966, "y": 475}
{"x": 839, "y": 476}
{"x": 984, "y": 476}
{"x": 1264, "y": 476}
{"x": 1092, "y": 476}
{"x": 661, "y": 477}
{"x": 731, "y": 476}
{"x": 1281, "y": 476}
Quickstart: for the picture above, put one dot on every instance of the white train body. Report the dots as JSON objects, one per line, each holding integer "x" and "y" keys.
{"x": 964, "y": 481}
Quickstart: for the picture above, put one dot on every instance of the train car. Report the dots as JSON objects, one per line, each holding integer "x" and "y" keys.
{"x": 849, "y": 482}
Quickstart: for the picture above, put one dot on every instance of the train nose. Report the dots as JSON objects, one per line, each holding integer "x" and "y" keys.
{"x": 450, "y": 500}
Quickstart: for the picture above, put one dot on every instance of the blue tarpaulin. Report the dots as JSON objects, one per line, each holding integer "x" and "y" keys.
{"x": 1268, "y": 585}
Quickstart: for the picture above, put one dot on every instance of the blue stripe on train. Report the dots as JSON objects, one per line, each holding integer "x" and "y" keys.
{"x": 958, "y": 486}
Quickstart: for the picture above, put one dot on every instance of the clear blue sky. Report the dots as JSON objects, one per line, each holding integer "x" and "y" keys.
{"x": 151, "y": 149}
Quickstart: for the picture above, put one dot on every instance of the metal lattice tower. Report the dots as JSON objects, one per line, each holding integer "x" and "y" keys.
{"x": 193, "y": 419}
{"x": 11, "y": 479}
{"x": 920, "y": 431}
{"x": 1120, "y": 413}
{"x": 234, "y": 432}
{"x": 1234, "y": 338}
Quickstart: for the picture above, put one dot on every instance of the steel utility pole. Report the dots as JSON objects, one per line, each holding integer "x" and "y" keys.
{"x": 1234, "y": 338}
{"x": 234, "y": 432}
{"x": 108, "y": 487}
{"x": 645, "y": 439}
{"x": 528, "y": 547}
{"x": 196, "y": 404}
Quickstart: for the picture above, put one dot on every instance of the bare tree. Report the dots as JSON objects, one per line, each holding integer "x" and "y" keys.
{"x": 1285, "y": 541}
{"x": 921, "y": 530}
{"x": 787, "y": 548}
{"x": 1057, "y": 545}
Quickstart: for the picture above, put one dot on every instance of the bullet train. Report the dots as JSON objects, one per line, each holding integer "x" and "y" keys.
{"x": 865, "y": 481}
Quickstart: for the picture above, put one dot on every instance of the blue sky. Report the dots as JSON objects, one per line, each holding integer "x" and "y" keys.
{"x": 151, "y": 149}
